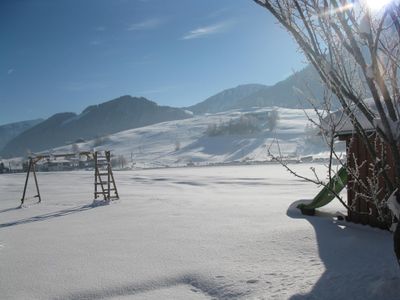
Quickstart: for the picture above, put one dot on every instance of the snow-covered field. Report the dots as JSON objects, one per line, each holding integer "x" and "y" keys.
{"x": 187, "y": 233}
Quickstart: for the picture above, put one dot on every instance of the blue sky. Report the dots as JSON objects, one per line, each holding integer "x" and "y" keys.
{"x": 60, "y": 56}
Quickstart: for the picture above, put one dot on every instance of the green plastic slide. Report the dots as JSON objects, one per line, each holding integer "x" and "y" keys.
{"x": 325, "y": 196}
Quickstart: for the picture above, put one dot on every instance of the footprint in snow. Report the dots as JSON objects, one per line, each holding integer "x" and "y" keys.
{"x": 252, "y": 281}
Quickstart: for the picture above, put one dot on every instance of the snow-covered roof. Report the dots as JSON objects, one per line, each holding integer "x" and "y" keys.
{"x": 342, "y": 123}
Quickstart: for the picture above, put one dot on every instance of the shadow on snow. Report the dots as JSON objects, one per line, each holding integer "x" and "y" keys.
{"x": 9, "y": 209}
{"x": 359, "y": 260}
{"x": 194, "y": 282}
{"x": 51, "y": 215}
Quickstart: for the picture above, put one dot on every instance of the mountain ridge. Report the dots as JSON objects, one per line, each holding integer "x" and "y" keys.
{"x": 125, "y": 112}
{"x": 11, "y": 130}
{"x": 226, "y": 99}
{"x": 284, "y": 93}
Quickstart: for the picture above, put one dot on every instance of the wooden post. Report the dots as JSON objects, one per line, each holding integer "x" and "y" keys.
{"x": 31, "y": 166}
{"x": 108, "y": 174}
{"x": 26, "y": 180}
{"x": 36, "y": 182}
{"x": 95, "y": 174}
{"x": 114, "y": 185}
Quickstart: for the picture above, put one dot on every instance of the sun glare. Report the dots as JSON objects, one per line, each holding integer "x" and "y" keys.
{"x": 377, "y": 4}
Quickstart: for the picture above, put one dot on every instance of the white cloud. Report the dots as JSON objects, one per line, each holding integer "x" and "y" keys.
{"x": 207, "y": 30}
{"x": 10, "y": 71}
{"x": 146, "y": 24}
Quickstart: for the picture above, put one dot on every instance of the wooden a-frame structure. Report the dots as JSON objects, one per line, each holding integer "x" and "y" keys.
{"x": 104, "y": 182}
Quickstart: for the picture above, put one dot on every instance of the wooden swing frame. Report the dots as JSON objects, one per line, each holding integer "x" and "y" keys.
{"x": 105, "y": 190}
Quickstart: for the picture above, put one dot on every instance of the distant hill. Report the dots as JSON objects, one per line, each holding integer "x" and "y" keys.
{"x": 226, "y": 99}
{"x": 10, "y": 131}
{"x": 98, "y": 120}
{"x": 283, "y": 94}
{"x": 184, "y": 142}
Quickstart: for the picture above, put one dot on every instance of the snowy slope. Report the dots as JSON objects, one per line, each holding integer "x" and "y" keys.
{"x": 155, "y": 145}
{"x": 187, "y": 233}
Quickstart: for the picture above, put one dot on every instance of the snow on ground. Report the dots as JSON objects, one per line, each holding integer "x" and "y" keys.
{"x": 187, "y": 233}
{"x": 155, "y": 145}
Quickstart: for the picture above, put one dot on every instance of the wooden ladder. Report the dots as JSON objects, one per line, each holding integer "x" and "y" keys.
{"x": 104, "y": 183}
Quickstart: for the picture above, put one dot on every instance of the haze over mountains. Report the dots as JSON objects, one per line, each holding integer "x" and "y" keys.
{"x": 98, "y": 120}
{"x": 227, "y": 99}
{"x": 129, "y": 112}
{"x": 285, "y": 93}
{"x": 10, "y": 131}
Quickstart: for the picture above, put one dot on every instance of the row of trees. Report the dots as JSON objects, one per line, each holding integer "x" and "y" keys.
{"x": 245, "y": 124}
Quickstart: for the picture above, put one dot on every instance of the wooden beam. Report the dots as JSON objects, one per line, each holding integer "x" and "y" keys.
{"x": 26, "y": 181}
{"x": 36, "y": 183}
{"x": 42, "y": 156}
